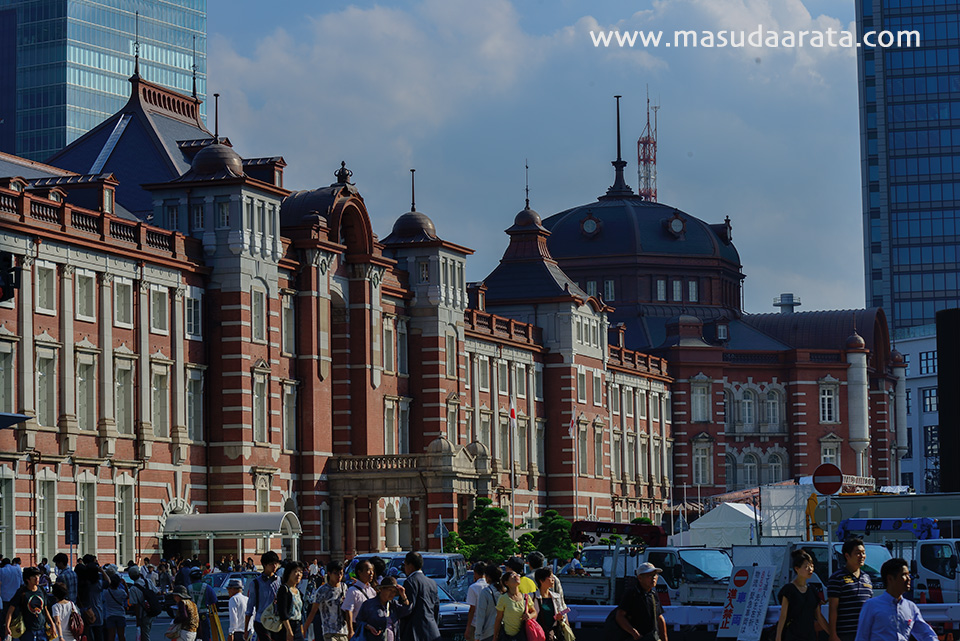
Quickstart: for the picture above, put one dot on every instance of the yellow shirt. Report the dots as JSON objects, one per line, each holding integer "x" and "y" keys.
{"x": 512, "y": 613}
{"x": 527, "y": 586}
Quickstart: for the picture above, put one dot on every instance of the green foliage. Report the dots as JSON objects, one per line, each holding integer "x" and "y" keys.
{"x": 486, "y": 532}
{"x": 642, "y": 520}
{"x": 553, "y": 537}
{"x": 527, "y": 543}
{"x": 454, "y": 543}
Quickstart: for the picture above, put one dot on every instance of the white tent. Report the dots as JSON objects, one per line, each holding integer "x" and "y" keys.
{"x": 725, "y": 525}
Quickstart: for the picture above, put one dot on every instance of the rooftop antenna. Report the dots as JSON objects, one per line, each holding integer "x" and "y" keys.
{"x": 194, "y": 66}
{"x": 526, "y": 167}
{"x": 620, "y": 186}
{"x": 413, "y": 191}
{"x": 647, "y": 156}
{"x": 136, "y": 46}
{"x": 216, "y": 117}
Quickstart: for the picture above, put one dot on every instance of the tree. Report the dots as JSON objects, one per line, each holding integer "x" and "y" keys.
{"x": 454, "y": 543}
{"x": 487, "y": 531}
{"x": 553, "y": 537}
{"x": 527, "y": 543}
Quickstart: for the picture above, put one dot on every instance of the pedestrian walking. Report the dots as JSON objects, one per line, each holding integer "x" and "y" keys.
{"x": 848, "y": 590}
{"x": 549, "y": 605}
{"x": 422, "y": 622}
{"x": 358, "y": 591}
{"x": 115, "y": 609}
{"x": 290, "y": 604}
{"x": 262, "y": 593}
{"x": 33, "y": 606}
{"x": 378, "y": 617}
{"x": 799, "y": 603}
{"x": 236, "y": 607}
{"x": 205, "y": 598}
{"x": 486, "y": 615}
{"x": 639, "y": 615}
{"x": 62, "y": 609}
{"x": 138, "y": 597}
{"x": 473, "y": 593}
{"x": 515, "y": 564}
{"x": 326, "y": 615}
{"x": 10, "y": 580}
{"x": 513, "y": 609}
{"x": 536, "y": 561}
{"x": 66, "y": 575}
{"x": 890, "y": 617}
{"x": 186, "y": 621}
{"x": 91, "y": 581}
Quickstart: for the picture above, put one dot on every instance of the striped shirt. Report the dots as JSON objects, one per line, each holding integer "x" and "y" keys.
{"x": 68, "y": 578}
{"x": 852, "y": 593}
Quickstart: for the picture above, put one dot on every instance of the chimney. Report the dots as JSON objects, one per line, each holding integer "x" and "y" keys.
{"x": 786, "y": 303}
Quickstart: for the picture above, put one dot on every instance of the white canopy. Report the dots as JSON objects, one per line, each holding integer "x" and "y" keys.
{"x": 229, "y": 525}
{"x": 725, "y": 525}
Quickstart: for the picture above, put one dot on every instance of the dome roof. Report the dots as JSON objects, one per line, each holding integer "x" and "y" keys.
{"x": 855, "y": 341}
{"x": 216, "y": 158}
{"x": 527, "y": 218}
{"x": 412, "y": 227}
{"x": 624, "y": 225}
{"x": 897, "y": 359}
{"x": 440, "y": 446}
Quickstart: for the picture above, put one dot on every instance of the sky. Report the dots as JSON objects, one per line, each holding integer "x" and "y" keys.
{"x": 468, "y": 91}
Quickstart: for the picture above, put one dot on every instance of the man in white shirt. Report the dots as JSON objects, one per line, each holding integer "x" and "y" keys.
{"x": 237, "y": 607}
{"x": 358, "y": 592}
{"x": 473, "y": 593}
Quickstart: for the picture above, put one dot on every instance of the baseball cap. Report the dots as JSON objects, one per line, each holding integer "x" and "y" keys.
{"x": 647, "y": 568}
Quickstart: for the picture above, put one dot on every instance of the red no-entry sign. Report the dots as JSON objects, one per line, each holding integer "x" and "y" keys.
{"x": 827, "y": 479}
{"x": 741, "y": 577}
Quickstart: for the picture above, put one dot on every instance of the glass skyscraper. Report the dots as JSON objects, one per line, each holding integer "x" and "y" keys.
{"x": 910, "y": 155}
{"x": 64, "y": 64}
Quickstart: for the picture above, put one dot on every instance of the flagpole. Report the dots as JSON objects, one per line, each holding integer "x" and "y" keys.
{"x": 513, "y": 467}
{"x": 576, "y": 468}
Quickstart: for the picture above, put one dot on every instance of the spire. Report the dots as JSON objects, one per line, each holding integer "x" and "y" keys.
{"x": 526, "y": 167}
{"x": 136, "y": 46}
{"x": 413, "y": 191}
{"x": 216, "y": 117}
{"x": 619, "y": 187}
{"x": 194, "y": 66}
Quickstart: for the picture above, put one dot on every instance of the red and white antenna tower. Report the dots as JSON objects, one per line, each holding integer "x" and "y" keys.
{"x": 647, "y": 156}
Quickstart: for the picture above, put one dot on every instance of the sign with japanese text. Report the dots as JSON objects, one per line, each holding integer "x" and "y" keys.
{"x": 746, "y": 602}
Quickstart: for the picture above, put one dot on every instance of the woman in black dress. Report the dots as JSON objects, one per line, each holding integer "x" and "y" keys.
{"x": 799, "y": 603}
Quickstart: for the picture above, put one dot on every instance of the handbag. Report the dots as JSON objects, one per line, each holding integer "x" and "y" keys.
{"x": 173, "y": 631}
{"x": 269, "y": 619}
{"x": 566, "y": 631}
{"x": 531, "y": 627}
{"x": 17, "y": 626}
{"x": 75, "y": 624}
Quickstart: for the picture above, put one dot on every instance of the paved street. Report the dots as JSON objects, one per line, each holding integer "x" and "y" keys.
{"x": 160, "y": 625}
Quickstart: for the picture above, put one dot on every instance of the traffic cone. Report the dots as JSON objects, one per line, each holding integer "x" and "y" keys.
{"x": 923, "y": 597}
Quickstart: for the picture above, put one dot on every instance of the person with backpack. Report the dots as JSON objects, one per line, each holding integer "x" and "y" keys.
{"x": 205, "y": 598}
{"x": 30, "y": 605}
{"x": 263, "y": 592}
{"x": 66, "y": 614}
{"x": 115, "y": 609}
{"x": 486, "y": 614}
{"x": 144, "y": 603}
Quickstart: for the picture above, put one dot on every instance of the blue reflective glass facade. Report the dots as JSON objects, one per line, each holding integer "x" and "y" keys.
{"x": 68, "y": 68}
{"x": 910, "y": 155}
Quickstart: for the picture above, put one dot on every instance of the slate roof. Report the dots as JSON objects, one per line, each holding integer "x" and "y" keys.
{"x": 820, "y": 329}
{"x": 140, "y": 144}
{"x": 11, "y": 165}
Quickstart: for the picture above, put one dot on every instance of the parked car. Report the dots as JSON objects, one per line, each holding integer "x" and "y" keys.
{"x": 453, "y": 615}
{"x": 448, "y": 570}
{"x": 389, "y": 558}
{"x": 218, "y": 581}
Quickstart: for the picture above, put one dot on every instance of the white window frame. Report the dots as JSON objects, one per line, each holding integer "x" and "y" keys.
{"x": 661, "y": 289}
{"x": 47, "y": 528}
{"x": 121, "y": 285}
{"x": 655, "y": 406}
{"x": 288, "y": 324}
{"x": 775, "y": 463}
{"x": 609, "y": 290}
{"x": 453, "y": 423}
{"x": 85, "y": 288}
{"x": 289, "y": 416}
{"x": 616, "y": 456}
{"x": 521, "y": 380}
{"x": 677, "y": 291}
{"x": 159, "y": 309}
{"x": 45, "y": 276}
{"x": 258, "y": 315}
{"x": 628, "y": 401}
{"x": 87, "y": 507}
{"x": 541, "y": 445}
{"x": 538, "y": 382}
{"x": 597, "y": 389}
{"x": 773, "y": 407}
{"x": 748, "y": 410}
{"x": 503, "y": 434}
{"x": 827, "y": 403}
{"x": 693, "y": 291}
{"x": 503, "y": 377}
{"x": 86, "y": 392}
{"x": 126, "y": 530}
{"x": 613, "y": 394}
{"x": 523, "y": 443}
{"x": 483, "y": 379}
{"x": 160, "y": 400}
{"x": 642, "y": 404}
{"x": 389, "y": 352}
{"x": 194, "y": 403}
{"x": 450, "y": 355}
{"x": 223, "y": 214}
{"x": 390, "y": 439}
{"x": 591, "y": 288}
{"x": 700, "y": 403}
{"x": 581, "y": 385}
{"x": 198, "y": 216}
{"x": 702, "y": 467}
{"x": 261, "y": 415}
{"x": 8, "y": 377}
{"x": 124, "y": 396}
{"x": 47, "y": 393}
{"x": 598, "y": 451}
{"x": 582, "y": 459}
{"x": 402, "y": 347}
{"x": 193, "y": 313}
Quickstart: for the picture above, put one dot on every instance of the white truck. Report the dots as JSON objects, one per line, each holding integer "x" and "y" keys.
{"x": 778, "y": 556}
{"x": 691, "y": 575}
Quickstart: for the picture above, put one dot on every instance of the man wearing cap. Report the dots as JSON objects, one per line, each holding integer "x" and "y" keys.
{"x": 137, "y": 600}
{"x": 186, "y": 616}
{"x": 639, "y": 616}
{"x": 237, "y": 608}
{"x": 205, "y": 598}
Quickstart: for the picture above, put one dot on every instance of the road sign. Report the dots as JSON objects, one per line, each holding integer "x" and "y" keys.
{"x": 820, "y": 513}
{"x": 827, "y": 479}
{"x": 71, "y": 525}
{"x": 741, "y": 577}
{"x": 441, "y": 531}
{"x": 745, "y": 608}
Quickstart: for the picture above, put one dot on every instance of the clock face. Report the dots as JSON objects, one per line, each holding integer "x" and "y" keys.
{"x": 589, "y": 226}
{"x": 676, "y": 225}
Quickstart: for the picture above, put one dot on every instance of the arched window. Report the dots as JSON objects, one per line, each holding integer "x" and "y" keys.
{"x": 727, "y": 411}
{"x": 730, "y": 471}
{"x": 749, "y": 410}
{"x": 775, "y": 466}
{"x": 750, "y": 466}
{"x": 773, "y": 408}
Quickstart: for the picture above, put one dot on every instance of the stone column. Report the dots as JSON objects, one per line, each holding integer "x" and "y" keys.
{"x": 351, "y": 516}
{"x": 67, "y": 422}
{"x": 857, "y": 406}
{"x": 107, "y": 427}
{"x": 393, "y": 534}
{"x": 336, "y": 528}
{"x": 27, "y": 360}
{"x": 900, "y": 401}
{"x": 145, "y": 424}
{"x": 178, "y": 430}
{"x": 374, "y": 507}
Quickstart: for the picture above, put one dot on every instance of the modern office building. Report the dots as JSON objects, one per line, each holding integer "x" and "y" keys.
{"x": 910, "y": 157}
{"x": 64, "y": 64}
{"x": 920, "y": 466}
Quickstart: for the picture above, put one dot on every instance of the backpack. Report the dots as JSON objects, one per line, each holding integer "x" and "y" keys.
{"x": 75, "y": 624}
{"x": 268, "y": 618}
{"x": 152, "y": 606}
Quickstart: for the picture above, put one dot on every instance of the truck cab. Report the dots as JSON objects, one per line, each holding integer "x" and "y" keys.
{"x": 935, "y": 567}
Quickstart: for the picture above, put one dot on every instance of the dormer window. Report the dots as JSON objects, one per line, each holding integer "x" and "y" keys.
{"x": 55, "y": 196}
{"x": 108, "y": 201}
{"x": 278, "y": 178}
{"x": 16, "y": 186}
{"x": 722, "y": 333}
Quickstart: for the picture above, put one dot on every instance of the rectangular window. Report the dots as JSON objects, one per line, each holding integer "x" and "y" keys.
{"x": 504, "y": 443}
{"x": 579, "y": 324}
{"x": 631, "y": 458}
{"x": 124, "y": 396}
{"x": 484, "y": 436}
{"x": 8, "y": 533}
{"x": 160, "y": 404}
{"x": 450, "y": 350}
{"x": 909, "y": 453}
{"x": 46, "y": 288}
{"x": 538, "y": 384}
{"x": 677, "y": 290}
{"x": 628, "y": 402}
{"x": 541, "y": 444}
{"x": 909, "y": 401}
{"x": 7, "y": 378}
{"x": 503, "y": 377}
{"x": 47, "y": 518}
{"x": 521, "y": 384}
{"x": 192, "y": 310}
{"x": 929, "y": 397}
{"x": 108, "y": 201}
{"x": 402, "y": 348}
{"x": 123, "y": 302}
{"x": 173, "y": 217}
{"x": 389, "y": 427}
{"x": 159, "y": 309}
{"x": 657, "y": 461}
{"x": 483, "y": 367}
{"x": 581, "y": 386}
{"x": 258, "y": 313}
{"x": 701, "y": 465}
{"x": 289, "y": 417}
{"x": 597, "y": 452}
{"x": 608, "y": 291}
{"x": 828, "y": 405}
{"x": 523, "y": 443}
{"x": 642, "y": 404}
{"x": 424, "y": 272}
{"x": 644, "y": 460}
{"x": 86, "y": 296}
{"x": 126, "y": 548}
{"x": 700, "y": 404}
{"x": 615, "y": 458}
{"x": 452, "y": 424}
{"x": 46, "y": 388}
{"x": 87, "y": 506}
{"x": 388, "y": 346}
{"x": 928, "y": 363}
{"x": 654, "y": 407}
{"x": 597, "y": 389}
{"x": 223, "y": 214}
{"x": 324, "y": 528}
{"x": 661, "y": 289}
{"x": 614, "y": 395}
{"x": 87, "y": 394}
{"x": 828, "y": 453}
{"x": 582, "y": 451}
{"x": 931, "y": 441}
{"x": 196, "y": 216}
{"x": 288, "y": 323}
{"x": 195, "y": 405}
{"x": 591, "y": 288}
{"x": 403, "y": 428}
{"x": 693, "y": 292}
{"x": 260, "y": 408}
